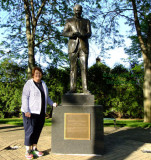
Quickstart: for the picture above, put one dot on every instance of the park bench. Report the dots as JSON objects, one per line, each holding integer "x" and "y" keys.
{"x": 113, "y": 119}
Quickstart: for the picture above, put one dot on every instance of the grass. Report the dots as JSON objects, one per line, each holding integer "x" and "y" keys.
{"x": 127, "y": 123}
{"x": 107, "y": 123}
{"x": 19, "y": 121}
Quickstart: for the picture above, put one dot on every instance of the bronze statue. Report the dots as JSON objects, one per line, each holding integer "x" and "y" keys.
{"x": 78, "y": 30}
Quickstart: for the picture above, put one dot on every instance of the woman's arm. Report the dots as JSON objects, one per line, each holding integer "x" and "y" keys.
{"x": 25, "y": 98}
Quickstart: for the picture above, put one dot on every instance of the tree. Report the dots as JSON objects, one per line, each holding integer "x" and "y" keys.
{"x": 12, "y": 79}
{"x": 143, "y": 28}
{"x": 135, "y": 12}
{"x": 146, "y": 51}
{"x": 34, "y": 29}
{"x": 98, "y": 84}
{"x": 127, "y": 95}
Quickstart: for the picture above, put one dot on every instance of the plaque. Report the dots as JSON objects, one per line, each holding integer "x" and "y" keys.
{"x": 77, "y": 126}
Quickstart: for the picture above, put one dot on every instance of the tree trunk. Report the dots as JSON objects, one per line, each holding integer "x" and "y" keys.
{"x": 147, "y": 89}
{"x": 30, "y": 39}
{"x": 146, "y": 50}
{"x": 147, "y": 75}
{"x": 31, "y": 58}
{"x": 31, "y": 23}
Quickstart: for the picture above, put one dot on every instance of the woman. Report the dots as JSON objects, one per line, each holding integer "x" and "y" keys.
{"x": 34, "y": 103}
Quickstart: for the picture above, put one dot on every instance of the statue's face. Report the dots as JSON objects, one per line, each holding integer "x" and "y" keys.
{"x": 78, "y": 12}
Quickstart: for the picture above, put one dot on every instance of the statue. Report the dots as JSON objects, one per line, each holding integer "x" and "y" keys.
{"x": 78, "y": 30}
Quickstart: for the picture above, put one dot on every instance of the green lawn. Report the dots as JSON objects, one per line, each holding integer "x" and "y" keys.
{"x": 19, "y": 121}
{"x": 127, "y": 123}
{"x": 107, "y": 123}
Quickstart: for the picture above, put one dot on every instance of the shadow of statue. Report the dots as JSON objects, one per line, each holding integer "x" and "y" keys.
{"x": 120, "y": 143}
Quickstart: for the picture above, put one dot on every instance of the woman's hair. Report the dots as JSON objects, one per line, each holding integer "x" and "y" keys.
{"x": 36, "y": 68}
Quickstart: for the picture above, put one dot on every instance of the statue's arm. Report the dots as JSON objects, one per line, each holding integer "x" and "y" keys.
{"x": 88, "y": 35}
{"x": 67, "y": 32}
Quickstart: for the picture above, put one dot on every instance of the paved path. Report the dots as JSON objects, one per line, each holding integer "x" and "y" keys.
{"x": 120, "y": 144}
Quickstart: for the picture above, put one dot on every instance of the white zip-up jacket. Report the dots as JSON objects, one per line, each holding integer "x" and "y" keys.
{"x": 31, "y": 97}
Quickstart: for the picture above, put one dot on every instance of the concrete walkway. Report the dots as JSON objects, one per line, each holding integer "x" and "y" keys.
{"x": 120, "y": 144}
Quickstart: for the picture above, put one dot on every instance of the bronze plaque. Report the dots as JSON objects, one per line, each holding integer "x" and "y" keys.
{"x": 77, "y": 126}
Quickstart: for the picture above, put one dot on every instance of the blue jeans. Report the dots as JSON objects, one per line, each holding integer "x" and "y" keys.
{"x": 33, "y": 127}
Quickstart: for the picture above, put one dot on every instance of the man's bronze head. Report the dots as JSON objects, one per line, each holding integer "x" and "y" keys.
{"x": 77, "y": 10}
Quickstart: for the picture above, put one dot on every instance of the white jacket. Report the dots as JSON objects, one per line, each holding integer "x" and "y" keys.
{"x": 31, "y": 97}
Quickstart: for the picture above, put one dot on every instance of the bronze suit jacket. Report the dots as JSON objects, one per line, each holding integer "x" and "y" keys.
{"x": 82, "y": 26}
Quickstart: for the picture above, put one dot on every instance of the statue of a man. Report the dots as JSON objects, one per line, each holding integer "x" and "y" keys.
{"x": 78, "y": 30}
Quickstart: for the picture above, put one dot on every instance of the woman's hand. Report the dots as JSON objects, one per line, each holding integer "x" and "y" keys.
{"x": 28, "y": 114}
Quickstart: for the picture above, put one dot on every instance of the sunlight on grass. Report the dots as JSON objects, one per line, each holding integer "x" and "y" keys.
{"x": 19, "y": 121}
{"x": 107, "y": 123}
{"x": 127, "y": 123}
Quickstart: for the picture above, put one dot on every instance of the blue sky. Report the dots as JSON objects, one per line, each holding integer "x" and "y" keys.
{"x": 114, "y": 56}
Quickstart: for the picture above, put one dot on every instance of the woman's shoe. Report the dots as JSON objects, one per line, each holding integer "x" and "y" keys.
{"x": 37, "y": 153}
{"x": 29, "y": 155}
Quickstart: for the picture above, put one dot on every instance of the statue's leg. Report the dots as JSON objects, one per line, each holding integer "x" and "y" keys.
{"x": 73, "y": 72}
{"x": 83, "y": 66}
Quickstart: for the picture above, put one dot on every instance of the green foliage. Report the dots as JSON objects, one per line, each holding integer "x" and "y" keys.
{"x": 127, "y": 92}
{"x": 119, "y": 91}
{"x": 57, "y": 81}
{"x": 97, "y": 83}
{"x": 12, "y": 78}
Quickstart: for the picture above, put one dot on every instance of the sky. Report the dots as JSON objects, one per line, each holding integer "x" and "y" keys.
{"x": 117, "y": 56}
{"x": 113, "y": 57}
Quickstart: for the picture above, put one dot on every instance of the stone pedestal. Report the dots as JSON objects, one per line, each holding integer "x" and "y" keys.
{"x": 77, "y": 126}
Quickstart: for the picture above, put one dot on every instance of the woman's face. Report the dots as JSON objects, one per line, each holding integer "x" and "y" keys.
{"x": 37, "y": 76}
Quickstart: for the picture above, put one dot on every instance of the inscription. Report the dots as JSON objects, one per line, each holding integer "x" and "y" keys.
{"x": 77, "y": 126}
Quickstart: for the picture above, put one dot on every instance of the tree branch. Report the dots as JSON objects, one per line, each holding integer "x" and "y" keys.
{"x": 40, "y": 9}
{"x": 149, "y": 34}
{"x": 43, "y": 40}
{"x": 33, "y": 15}
{"x": 27, "y": 12}
{"x": 119, "y": 11}
{"x": 26, "y": 6}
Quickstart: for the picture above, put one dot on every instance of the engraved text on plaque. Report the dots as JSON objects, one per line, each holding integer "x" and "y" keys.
{"x": 77, "y": 126}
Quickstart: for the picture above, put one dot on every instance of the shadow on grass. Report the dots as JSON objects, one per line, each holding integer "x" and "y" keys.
{"x": 11, "y": 127}
{"x": 12, "y": 121}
